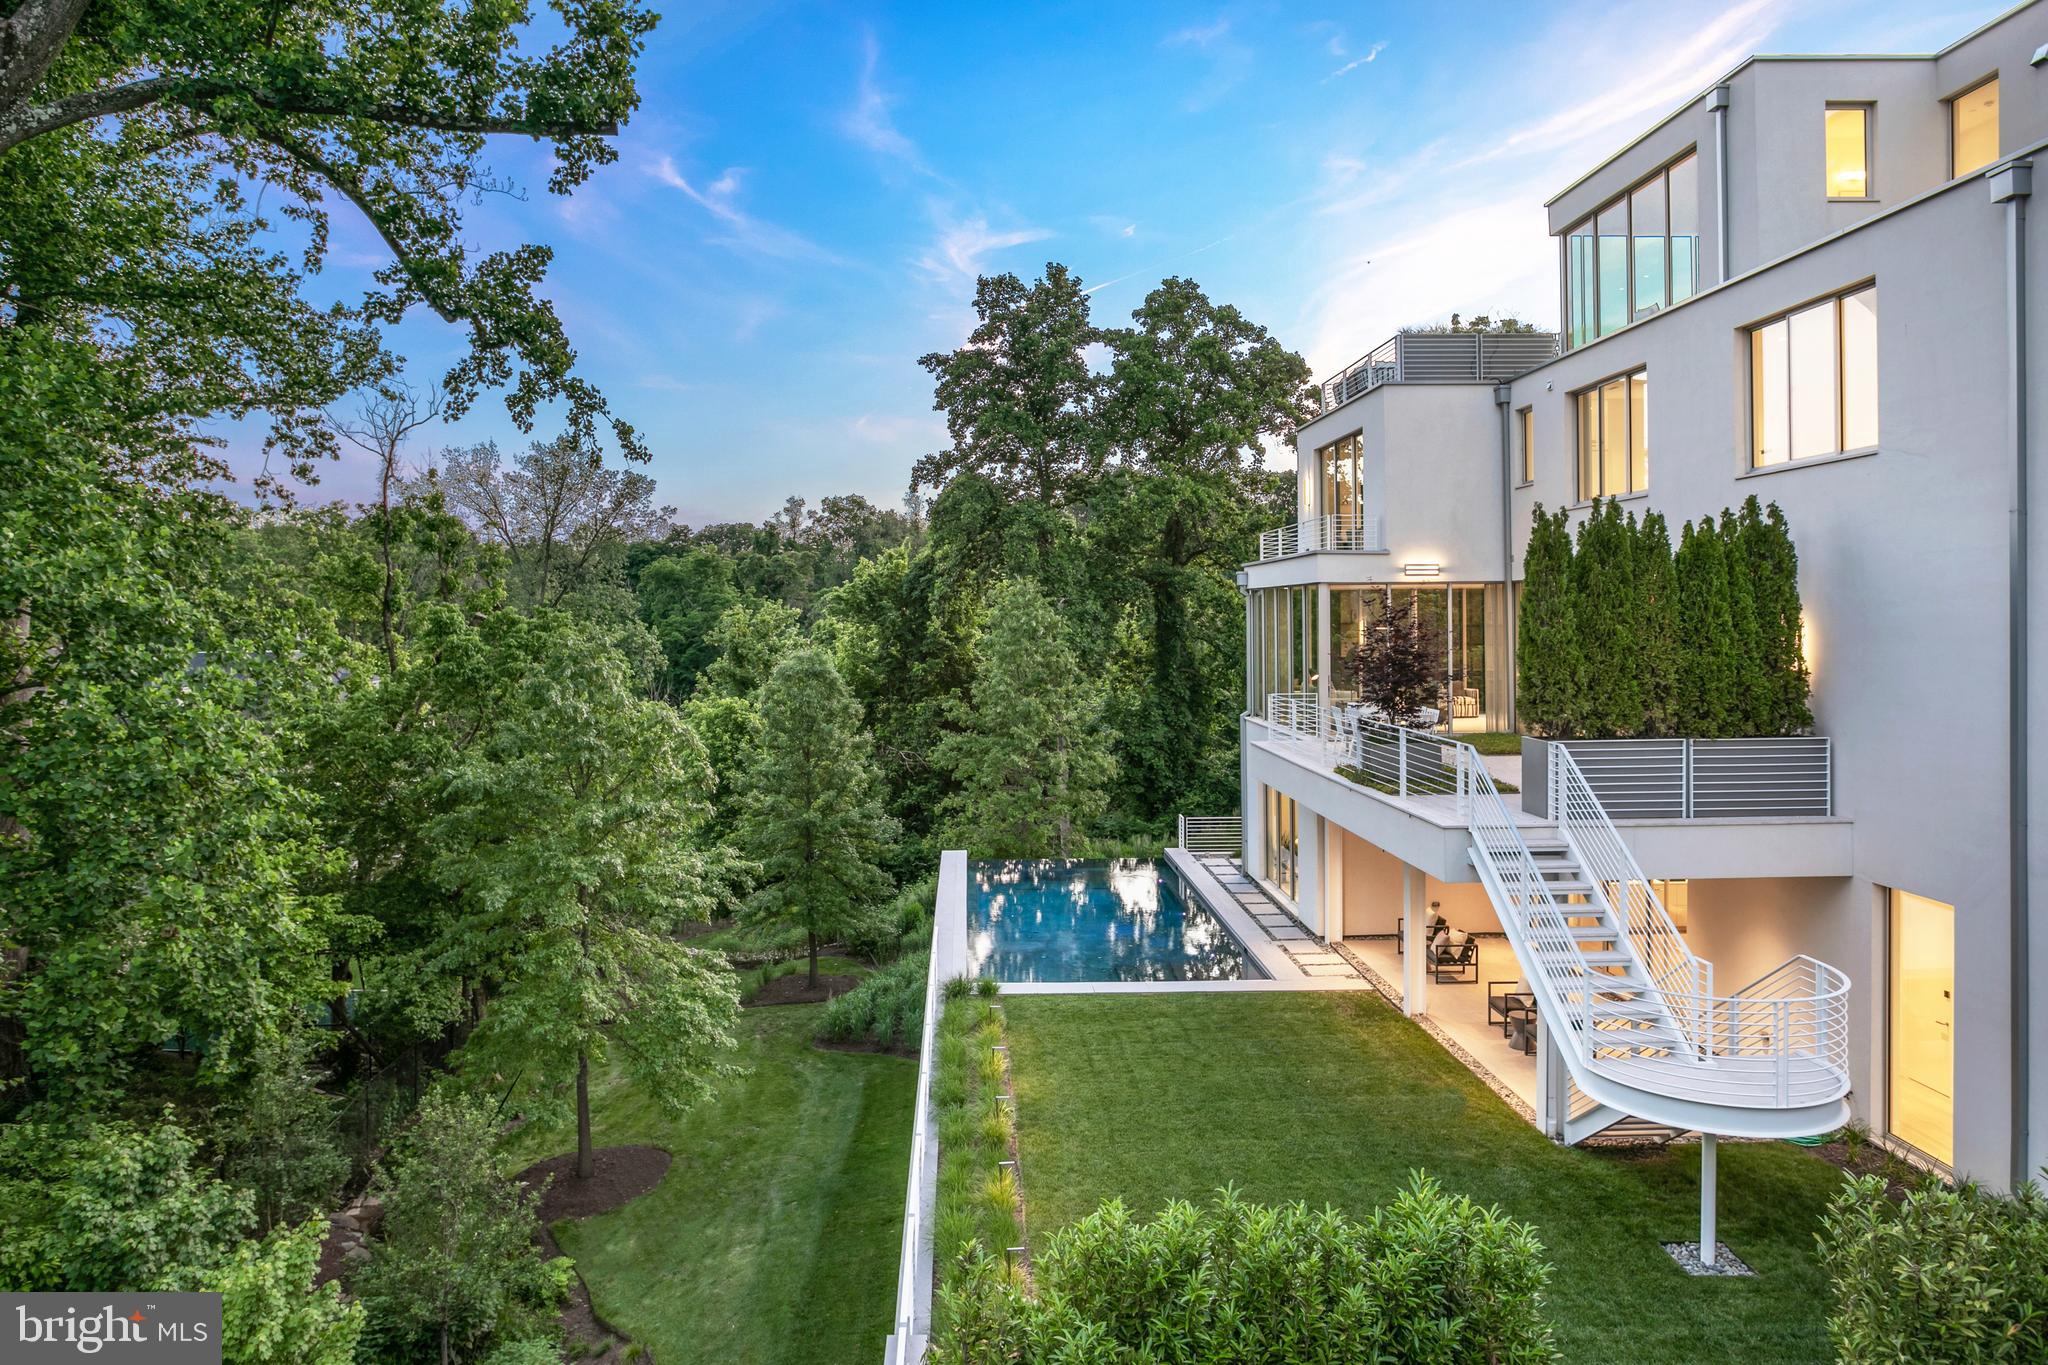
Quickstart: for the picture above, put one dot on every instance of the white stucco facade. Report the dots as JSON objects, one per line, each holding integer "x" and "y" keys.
{"x": 1905, "y": 568}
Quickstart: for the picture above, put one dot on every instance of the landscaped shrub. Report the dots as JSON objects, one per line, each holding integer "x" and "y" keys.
{"x": 975, "y": 1219}
{"x": 1945, "y": 1275}
{"x": 1620, "y": 637}
{"x": 887, "y": 1009}
{"x": 1430, "y": 1278}
{"x": 1398, "y": 663}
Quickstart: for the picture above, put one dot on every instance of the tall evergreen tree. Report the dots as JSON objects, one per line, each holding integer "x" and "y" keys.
{"x": 1708, "y": 669}
{"x": 1607, "y": 610}
{"x": 1548, "y": 661}
{"x": 1030, "y": 761}
{"x": 812, "y": 814}
{"x": 1754, "y": 699}
{"x": 1657, "y": 626}
{"x": 1773, "y": 564}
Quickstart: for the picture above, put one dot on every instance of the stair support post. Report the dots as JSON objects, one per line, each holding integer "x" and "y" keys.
{"x": 1709, "y": 1152}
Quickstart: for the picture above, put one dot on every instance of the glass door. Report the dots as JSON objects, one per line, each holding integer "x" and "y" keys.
{"x": 1922, "y": 1050}
{"x": 1283, "y": 846}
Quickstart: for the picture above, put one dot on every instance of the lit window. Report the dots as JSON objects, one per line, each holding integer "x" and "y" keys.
{"x": 1614, "y": 437}
{"x": 1813, "y": 380}
{"x": 1973, "y": 127}
{"x": 1528, "y": 445}
{"x": 1635, "y": 256}
{"x": 1848, "y": 143}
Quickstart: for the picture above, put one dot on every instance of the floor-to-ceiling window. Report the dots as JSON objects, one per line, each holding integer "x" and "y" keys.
{"x": 1467, "y": 623}
{"x": 1284, "y": 653}
{"x": 1340, "y": 463}
{"x": 1283, "y": 843}
{"x": 1614, "y": 437}
{"x": 1921, "y": 1016}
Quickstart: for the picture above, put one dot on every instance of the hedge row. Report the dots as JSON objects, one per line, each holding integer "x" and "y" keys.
{"x": 1619, "y": 637}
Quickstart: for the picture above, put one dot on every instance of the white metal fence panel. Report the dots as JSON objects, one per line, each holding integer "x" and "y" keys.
{"x": 1702, "y": 779}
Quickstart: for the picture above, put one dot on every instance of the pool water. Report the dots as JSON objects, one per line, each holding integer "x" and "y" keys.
{"x": 1128, "y": 919}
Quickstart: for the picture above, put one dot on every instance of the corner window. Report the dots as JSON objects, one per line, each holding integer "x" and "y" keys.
{"x": 1813, "y": 380}
{"x": 1527, "y": 421}
{"x": 1614, "y": 437}
{"x": 1848, "y": 151}
{"x": 1637, "y": 255}
{"x": 1973, "y": 127}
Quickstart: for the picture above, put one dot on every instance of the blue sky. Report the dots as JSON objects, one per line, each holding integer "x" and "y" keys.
{"x": 802, "y": 203}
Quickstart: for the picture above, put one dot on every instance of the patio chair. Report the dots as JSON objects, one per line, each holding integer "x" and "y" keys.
{"x": 1500, "y": 1003}
{"x": 1452, "y": 954}
{"x": 1431, "y": 927}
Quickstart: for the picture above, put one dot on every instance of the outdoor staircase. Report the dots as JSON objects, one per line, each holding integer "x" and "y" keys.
{"x": 1632, "y": 1012}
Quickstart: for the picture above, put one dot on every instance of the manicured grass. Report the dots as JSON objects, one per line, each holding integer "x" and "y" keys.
{"x": 774, "y": 1236}
{"x": 1333, "y": 1099}
{"x": 1494, "y": 742}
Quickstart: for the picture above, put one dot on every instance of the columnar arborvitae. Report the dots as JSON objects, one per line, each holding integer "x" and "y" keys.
{"x": 1708, "y": 704}
{"x": 1657, "y": 624}
{"x": 1773, "y": 567}
{"x": 1547, "y": 653}
{"x": 1752, "y": 687}
{"x": 1605, "y": 605}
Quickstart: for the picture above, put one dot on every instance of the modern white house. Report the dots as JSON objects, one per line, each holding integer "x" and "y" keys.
{"x": 1818, "y": 282}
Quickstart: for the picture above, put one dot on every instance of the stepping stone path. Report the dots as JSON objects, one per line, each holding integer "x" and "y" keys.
{"x": 1284, "y": 929}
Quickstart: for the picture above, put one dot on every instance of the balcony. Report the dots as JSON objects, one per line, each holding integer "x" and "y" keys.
{"x": 1440, "y": 358}
{"x": 1358, "y": 533}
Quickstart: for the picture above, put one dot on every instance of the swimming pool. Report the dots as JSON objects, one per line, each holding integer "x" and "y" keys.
{"x": 1128, "y": 919}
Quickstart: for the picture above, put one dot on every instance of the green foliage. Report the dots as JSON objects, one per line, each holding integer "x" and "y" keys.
{"x": 571, "y": 842}
{"x": 456, "y": 1265}
{"x": 682, "y": 596}
{"x": 886, "y": 1009}
{"x": 1397, "y": 664}
{"x": 1550, "y": 662}
{"x": 748, "y": 640}
{"x": 1946, "y": 1275}
{"x": 1709, "y": 664}
{"x": 975, "y": 1215}
{"x": 270, "y": 1316}
{"x": 730, "y": 730}
{"x": 276, "y": 1132}
{"x": 1429, "y": 1278}
{"x": 1620, "y": 637}
{"x": 1607, "y": 607}
{"x": 109, "y": 1206}
{"x": 1030, "y": 761}
{"x": 812, "y": 816}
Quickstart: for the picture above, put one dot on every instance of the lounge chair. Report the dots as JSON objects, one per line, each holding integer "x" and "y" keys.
{"x": 1452, "y": 954}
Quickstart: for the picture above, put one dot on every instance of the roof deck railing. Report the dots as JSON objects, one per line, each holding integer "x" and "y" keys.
{"x": 1439, "y": 358}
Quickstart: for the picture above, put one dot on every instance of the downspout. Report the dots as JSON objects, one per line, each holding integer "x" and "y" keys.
{"x": 1503, "y": 396}
{"x": 1718, "y": 103}
{"x": 2011, "y": 185}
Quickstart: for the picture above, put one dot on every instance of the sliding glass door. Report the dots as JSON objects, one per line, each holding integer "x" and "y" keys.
{"x": 1283, "y": 843}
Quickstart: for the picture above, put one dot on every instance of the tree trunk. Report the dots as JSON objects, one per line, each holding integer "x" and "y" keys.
{"x": 445, "y": 1356}
{"x": 813, "y": 936}
{"x": 586, "y": 1155}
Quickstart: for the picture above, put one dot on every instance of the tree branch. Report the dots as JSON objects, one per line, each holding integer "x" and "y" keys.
{"x": 30, "y": 39}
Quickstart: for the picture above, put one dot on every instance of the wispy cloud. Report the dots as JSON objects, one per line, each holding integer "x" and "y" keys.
{"x": 1229, "y": 60}
{"x": 869, "y": 122}
{"x": 740, "y": 230}
{"x": 957, "y": 256}
{"x": 1370, "y": 53}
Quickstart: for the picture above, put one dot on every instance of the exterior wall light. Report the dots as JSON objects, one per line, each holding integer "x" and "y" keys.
{"x": 1420, "y": 570}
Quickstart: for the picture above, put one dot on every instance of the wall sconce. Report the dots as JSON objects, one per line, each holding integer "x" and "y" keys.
{"x": 1421, "y": 570}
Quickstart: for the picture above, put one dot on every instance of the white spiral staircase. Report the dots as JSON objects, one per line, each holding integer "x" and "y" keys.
{"x": 1632, "y": 1011}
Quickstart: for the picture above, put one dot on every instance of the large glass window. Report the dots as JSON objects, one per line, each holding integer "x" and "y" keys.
{"x": 1848, "y": 151}
{"x": 1284, "y": 649}
{"x": 1635, "y": 256}
{"x": 1921, "y": 1015}
{"x": 1283, "y": 843}
{"x": 1813, "y": 380}
{"x": 1341, "y": 463}
{"x": 1465, "y": 622}
{"x": 1973, "y": 128}
{"x": 1614, "y": 437}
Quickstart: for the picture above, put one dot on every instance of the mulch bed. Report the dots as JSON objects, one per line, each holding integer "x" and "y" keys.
{"x": 622, "y": 1175}
{"x": 1901, "y": 1177}
{"x": 796, "y": 989}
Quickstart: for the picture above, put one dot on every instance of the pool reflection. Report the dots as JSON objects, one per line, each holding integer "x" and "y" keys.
{"x": 1127, "y": 919}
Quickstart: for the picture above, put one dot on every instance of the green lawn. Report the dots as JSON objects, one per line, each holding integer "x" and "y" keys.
{"x": 774, "y": 1236}
{"x": 1334, "y": 1098}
